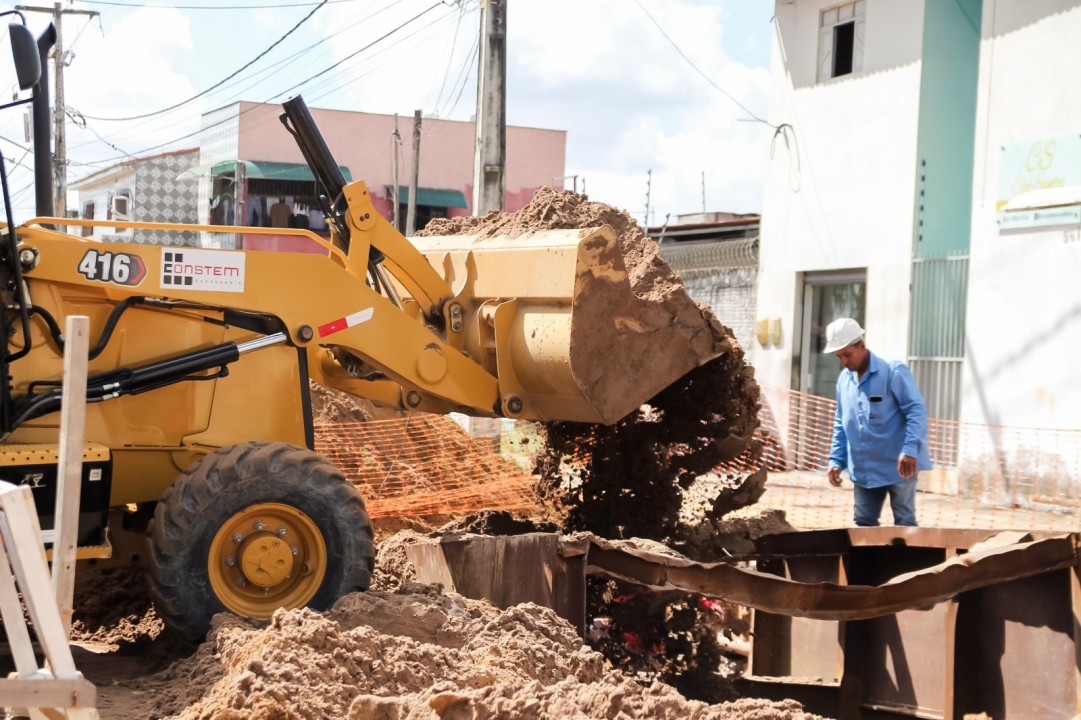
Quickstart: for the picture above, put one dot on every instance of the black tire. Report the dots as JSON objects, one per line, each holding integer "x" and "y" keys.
{"x": 210, "y": 494}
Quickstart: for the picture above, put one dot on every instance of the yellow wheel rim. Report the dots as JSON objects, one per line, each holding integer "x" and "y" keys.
{"x": 265, "y": 557}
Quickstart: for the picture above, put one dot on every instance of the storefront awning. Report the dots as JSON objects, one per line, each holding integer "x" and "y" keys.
{"x": 256, "y": 170}
{"x": 434, "y": 197}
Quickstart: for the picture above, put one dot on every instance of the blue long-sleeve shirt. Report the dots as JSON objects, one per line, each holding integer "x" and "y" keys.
{"x": 880, "y": 417}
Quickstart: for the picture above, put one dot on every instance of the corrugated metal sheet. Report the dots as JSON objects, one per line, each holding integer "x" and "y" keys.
{"x": 724, "y": 275}
{"x": 937, "y": 331}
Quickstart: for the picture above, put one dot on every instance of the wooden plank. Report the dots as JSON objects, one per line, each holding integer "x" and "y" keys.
{"x": 22, "y": 648}
{"x": 48, "y": 693}
{"x": 22, "y": 536}
{"x": 70, "y": 465}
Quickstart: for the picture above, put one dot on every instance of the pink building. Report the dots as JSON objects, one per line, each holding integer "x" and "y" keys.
{"x": 251, "y": 172}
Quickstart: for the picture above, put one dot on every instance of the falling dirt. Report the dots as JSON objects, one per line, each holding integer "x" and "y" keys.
{"x": 626, "y": 479}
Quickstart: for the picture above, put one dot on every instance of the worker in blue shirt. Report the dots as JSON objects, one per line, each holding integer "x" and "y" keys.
{"x": 879, "y": 430}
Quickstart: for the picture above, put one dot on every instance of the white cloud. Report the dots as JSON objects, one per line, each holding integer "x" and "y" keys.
{"x": 632, "y": 103}
{"x": 600, "y": 70}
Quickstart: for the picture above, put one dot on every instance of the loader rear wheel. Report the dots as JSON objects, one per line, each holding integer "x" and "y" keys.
{"x": 252, "y": 528}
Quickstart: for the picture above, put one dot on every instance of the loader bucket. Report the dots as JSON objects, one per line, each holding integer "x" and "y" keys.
{"x": 554, "y": 315}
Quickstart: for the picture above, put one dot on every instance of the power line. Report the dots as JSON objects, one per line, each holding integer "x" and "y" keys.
{"x": 695, "y": 67}
{"x": 158, "y": 6}
{"x": 221, "y": 82}
{"x": 450, "y": 57}
{"x": 366, "y": 47}
{"x": 233, "y": 118}
{"x": 255, "y": 79}
{"x": 331, "y": 84}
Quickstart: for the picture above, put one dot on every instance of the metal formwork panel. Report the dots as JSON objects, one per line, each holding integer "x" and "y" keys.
{"x": 797, "y": 647}
{"x": 1016, "y": 649}
{"x": 921, "y": 623}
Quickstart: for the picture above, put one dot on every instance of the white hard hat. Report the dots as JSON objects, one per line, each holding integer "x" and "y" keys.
{"x": 841, "y": 333}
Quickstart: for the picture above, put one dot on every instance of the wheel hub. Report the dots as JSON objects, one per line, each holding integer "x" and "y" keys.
{"x": 264, "y": 557}
{"x": 265, "y": 560}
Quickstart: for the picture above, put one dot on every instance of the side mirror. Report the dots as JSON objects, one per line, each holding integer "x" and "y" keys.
{"x": 24, "y": 51}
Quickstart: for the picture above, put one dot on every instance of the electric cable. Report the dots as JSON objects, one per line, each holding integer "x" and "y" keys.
{"x": 221, "y": 82}
{"x": 695, "y": 67}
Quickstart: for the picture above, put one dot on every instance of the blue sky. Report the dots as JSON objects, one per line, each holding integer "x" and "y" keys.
{"x": 607, "y": 71}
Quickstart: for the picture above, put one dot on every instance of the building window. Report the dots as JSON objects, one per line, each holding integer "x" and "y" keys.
{"x": 120, "y": 206}
{"x": 88, "y": 214}
{"x": 840, "y": 40}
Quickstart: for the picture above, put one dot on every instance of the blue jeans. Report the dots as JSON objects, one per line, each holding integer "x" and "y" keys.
{"x": 902, "y": 501}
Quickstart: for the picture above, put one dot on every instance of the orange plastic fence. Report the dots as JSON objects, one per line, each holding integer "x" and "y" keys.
{"x": 984, "y": 476}
{"x": 424, "y": 465}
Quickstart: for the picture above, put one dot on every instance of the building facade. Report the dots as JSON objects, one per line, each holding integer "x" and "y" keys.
{"x": 930, "y": 186}
{"x": 251, "y": 171}
{"x": 140, "y": 190}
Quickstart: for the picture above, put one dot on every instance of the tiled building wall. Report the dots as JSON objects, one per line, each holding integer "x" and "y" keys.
{"x": 160, "y": 197}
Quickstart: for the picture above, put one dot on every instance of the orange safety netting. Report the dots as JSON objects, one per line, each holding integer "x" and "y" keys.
{"x": 984, "y": 476}
{"x": 424, "y": 465}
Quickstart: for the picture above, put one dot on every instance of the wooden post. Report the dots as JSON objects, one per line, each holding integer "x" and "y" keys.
{"x": 70, "y": 466}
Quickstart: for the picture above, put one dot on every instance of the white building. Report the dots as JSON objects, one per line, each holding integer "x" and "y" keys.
{"x": 142, "y": 189}
{"x": 926, "y": 179}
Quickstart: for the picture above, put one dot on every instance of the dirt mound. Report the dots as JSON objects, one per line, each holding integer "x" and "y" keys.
{"x": 392, "y": 567}
{"x": 495, "y": 522}
{"x": 415, "y": 654}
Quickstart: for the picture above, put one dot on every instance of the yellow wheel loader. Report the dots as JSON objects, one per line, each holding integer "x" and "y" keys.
{"x": 198, "y": 421}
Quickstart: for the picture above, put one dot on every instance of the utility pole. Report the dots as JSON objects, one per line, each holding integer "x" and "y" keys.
{"x": 411, "y": 209}
{"x": 649, "y": 183}
{"x": 490, "y": 145}
{"x": 396, "y": 196}
{"x": 60, "y": 161}
{"x": 703, "y": 192}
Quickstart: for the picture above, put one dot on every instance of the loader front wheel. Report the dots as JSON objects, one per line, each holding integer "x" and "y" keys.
{"x": 252, "y": 528}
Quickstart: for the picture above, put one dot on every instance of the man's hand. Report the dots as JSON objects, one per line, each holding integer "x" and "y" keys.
{"x": 906, "y": 466}
{"x": 835, "y": 476}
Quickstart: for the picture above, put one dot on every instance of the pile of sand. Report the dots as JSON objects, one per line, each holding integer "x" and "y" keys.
{"x": 416, "y": 654}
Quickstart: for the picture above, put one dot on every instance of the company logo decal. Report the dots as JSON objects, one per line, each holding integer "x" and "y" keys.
{"x": 190, "y": 269}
